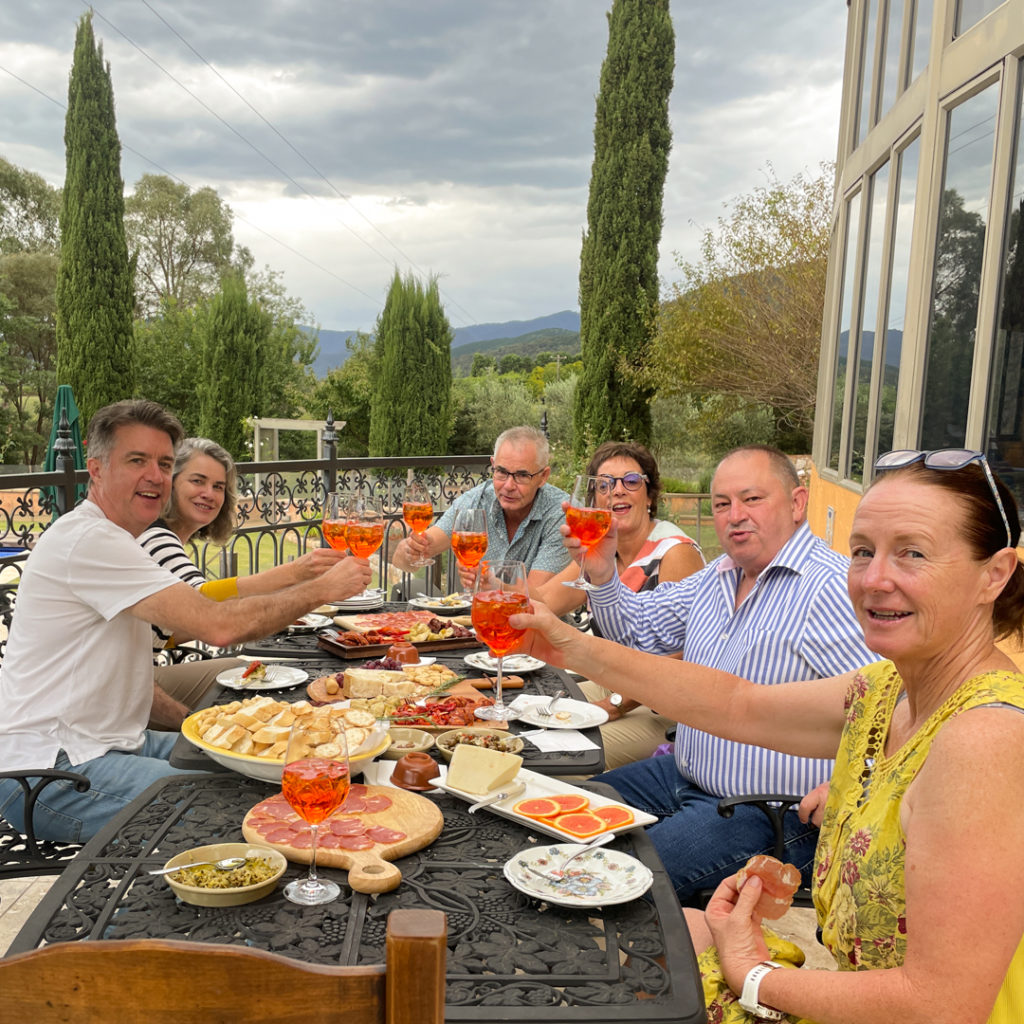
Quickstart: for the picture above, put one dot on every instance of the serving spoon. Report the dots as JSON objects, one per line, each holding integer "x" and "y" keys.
{"x": 227, "y": 864}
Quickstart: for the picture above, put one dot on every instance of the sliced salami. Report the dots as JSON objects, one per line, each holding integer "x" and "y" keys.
{"x": 356, "y": 842}
{"x": 376, "y": 804}
{"x": 380, "y": 834}
{"x": 344, "y": 826}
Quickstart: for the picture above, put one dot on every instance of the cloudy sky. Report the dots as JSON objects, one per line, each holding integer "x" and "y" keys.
{"x": 448, "y": 137}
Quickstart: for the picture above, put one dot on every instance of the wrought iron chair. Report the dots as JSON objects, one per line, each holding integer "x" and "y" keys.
{"x": 156, "y": 981}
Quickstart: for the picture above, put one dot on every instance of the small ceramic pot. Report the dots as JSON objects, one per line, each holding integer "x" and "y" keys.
{"x": 404, "y": 652}
{"x": 414, "y": 771}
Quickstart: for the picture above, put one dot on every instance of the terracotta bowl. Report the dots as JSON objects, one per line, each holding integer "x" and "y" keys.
{"x": 414, "y": 771}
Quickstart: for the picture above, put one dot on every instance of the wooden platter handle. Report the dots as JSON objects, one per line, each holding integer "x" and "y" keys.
{"x": 373, "y": 875}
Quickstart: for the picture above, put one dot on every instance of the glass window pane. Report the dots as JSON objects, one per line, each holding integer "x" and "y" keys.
{"x": 1006, "y": 405}
{"x": 867, "y": 68}
{"x": 843, "y": 339}
{"x": 970, "y": 12}
{"x": 868, "y": 319}
{"x": 963, "y": 217}
{"x": 892, "y": 85}
{"x": 921, "y": 36}
{"x": 892, "y": 341}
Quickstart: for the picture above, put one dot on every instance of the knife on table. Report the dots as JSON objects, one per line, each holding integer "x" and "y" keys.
{"x": 497, "y": 797}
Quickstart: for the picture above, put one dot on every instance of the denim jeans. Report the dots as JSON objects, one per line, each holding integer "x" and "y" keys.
{"x": 67, "y": 816}
{"x": 698, "y": 847}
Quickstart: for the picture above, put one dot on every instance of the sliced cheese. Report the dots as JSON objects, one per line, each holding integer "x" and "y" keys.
{"x": 479, "y": 770}
{"x": 368, "y": 682}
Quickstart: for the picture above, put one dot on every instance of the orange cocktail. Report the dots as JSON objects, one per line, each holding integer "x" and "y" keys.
{"x": 315, "y": 787}
{"x": 418, "y": 515}
{"x": 469, "y": 548}
{"x": 334, "y": 531}
{"x": 588, "y": 525}
{"x": 365, "y": 538}
{"x": 490, "y": 614}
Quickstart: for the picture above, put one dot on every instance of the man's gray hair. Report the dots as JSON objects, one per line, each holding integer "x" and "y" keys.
{"x": 526, "y": 435}
{"x": 105, "y": 423}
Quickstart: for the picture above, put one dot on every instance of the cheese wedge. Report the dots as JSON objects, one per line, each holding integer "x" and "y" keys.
{"x": 479, "y": 770}
{"x": 368, "y": 682}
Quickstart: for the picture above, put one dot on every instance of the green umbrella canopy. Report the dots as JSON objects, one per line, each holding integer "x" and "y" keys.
{"x": 64, "y": 403}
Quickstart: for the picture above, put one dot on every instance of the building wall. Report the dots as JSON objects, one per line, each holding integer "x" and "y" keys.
{"x": 923, "y": 331}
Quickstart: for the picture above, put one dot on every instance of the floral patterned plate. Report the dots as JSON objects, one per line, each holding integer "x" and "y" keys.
{"x": 596, "y": 879}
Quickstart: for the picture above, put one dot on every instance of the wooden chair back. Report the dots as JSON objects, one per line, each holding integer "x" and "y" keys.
{"x": 156, "y": 981}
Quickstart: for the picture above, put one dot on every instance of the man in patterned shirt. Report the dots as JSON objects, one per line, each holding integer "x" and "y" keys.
{"x": 772, "y": 608}
{"x": 523, "y": 511}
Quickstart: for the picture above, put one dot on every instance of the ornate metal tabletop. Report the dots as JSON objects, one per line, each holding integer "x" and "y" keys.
{"x": 510, "y": 957}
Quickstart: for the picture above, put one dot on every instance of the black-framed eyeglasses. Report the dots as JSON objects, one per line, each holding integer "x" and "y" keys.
{"x": 947, "y": 458}
{"x": 631, "y": 481}
{"x": 521, "y": 476}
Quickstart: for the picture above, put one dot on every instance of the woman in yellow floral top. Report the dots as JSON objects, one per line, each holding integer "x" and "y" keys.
{"x": 918, "y": 887}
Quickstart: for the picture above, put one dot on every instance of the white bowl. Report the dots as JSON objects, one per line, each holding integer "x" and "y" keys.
{"x": 268, "y": 770}
{"x": 203, "y": 897}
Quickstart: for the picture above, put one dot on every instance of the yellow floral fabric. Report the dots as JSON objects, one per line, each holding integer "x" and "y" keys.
{"x": 859, "y": 864}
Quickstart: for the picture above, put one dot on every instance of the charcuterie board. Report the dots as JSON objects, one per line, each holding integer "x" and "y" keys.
{"x": 386, "y": 811}
{"x": 329, "y": 640}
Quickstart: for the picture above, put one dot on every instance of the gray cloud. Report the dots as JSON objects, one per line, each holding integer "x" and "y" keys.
{"x": 462, "y": 129}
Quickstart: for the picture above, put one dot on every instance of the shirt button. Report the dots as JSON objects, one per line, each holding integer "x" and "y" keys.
{"x": 724, "y": 637}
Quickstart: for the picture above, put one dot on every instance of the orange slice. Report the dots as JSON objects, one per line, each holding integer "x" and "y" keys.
{"x": 537, "y": 807}
{"x": 570, "y": 802}
{"x": 615, "y": 815}
{"x": 581, "y": 824}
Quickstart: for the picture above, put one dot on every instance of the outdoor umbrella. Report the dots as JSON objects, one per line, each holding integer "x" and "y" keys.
{"x": 65, "y": 402}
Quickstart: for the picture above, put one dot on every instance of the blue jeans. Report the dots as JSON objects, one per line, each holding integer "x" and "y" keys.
{"x": 698, "y": 847}
{"x": 67, "y": 816}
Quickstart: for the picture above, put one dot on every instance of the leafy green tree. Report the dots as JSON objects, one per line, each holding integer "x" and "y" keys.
{"x": 347, "y": 391}
{"x": 29, "y": 211}
{"x": 745, "y": 321}
{"x": 28, "y": 384}
{"x": 410, "y": 413}
{"x": 180, "y": 240}
{"x": 481, "y": 364}
{"x": 95, "y": 344}
{"x": 236, "y": 335}
{"x": 169, "y": 352}
{"x": 619, "y": 257}
{"x": 484, "y": 407}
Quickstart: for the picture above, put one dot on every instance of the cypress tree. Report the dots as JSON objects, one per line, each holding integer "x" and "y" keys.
{"x": 235, "y": 335}
{"x": 410, "y": 410}
{"x": 619, "y": 257}
{"x": 95, "y": 299}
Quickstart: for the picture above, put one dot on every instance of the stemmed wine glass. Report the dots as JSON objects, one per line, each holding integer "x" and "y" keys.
{"x": 587, "y": 522}
{"x": 315, "y": 782}
{"x": 469, "y": 538}
{"x": 365, "y": 525}
{"x": 335, "y": 520}
{"x": 418, "y": 513}
{"x": 499, "y": 591}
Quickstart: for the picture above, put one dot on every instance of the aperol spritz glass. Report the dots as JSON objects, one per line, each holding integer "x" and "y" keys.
{"x": 315, "y": 781}
{"x": 365, "y": 531}
{"x": 499, "y": 591}
{"x": 469, "y": 538}
{"x": 418, "y": 513}
{"x": 335, "y": 522}
{"x": 588, "y": 519}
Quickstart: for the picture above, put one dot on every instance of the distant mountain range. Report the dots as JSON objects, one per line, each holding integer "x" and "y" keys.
{"x": 552, "y": 333}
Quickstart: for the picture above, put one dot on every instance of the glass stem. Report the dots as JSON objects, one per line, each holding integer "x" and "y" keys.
{"x": 313, "y": 880}
{"x": 497, "y": 686}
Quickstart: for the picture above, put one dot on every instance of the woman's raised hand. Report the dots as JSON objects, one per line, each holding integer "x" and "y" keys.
{"x": 736, "y": 928}
{"x": 600, "y": 558}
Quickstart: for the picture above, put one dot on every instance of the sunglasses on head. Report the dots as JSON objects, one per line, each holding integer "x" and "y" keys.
{"x": 631, "y": 481}
{"x": 947, "y": 458}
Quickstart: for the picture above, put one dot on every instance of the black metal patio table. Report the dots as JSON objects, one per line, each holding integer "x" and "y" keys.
{"x": 510, "y": 957}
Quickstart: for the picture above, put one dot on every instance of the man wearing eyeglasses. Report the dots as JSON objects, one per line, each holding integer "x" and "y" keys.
{"x": 523, "y": 511}
{"x": 773, "y": 608}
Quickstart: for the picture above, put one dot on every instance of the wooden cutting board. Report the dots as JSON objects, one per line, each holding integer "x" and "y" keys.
{"x": 369, "y": 870}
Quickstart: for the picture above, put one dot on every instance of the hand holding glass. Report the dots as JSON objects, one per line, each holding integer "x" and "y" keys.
{"x": 588, "y": 519}
{"x": 315, "y": 782}
{"x": 500, "y": 591}
{"x": 418, "y": 513}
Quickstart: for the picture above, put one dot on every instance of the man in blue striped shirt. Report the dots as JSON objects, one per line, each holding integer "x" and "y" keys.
{"x": 773, "y": 608}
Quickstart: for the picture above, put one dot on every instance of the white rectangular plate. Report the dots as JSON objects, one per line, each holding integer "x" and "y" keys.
{"x": 538, "y": 785}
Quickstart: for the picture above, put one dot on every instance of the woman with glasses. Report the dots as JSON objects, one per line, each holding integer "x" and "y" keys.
{"x": 918, "y": 886}
{"x": 649, "y": 551}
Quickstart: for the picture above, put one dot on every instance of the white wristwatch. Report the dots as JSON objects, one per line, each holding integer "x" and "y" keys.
{"x": 748, "y": 997}
{"x": 615, "y": 699}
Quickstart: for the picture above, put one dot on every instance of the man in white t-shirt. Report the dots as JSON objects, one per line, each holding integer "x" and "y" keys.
{"x": 76, "y": 684}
